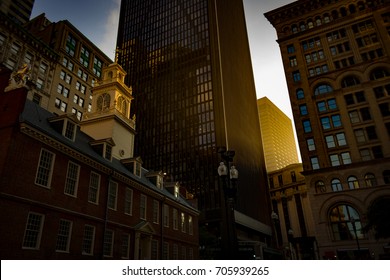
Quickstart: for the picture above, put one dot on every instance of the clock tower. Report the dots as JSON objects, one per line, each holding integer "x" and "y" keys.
{"x": 109, "y": 120}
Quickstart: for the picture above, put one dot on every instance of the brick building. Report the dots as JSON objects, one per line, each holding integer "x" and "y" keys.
{"x": 67, "y": 195}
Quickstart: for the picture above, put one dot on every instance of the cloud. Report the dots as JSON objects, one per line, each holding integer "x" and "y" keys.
{"x": 108, "y": 39}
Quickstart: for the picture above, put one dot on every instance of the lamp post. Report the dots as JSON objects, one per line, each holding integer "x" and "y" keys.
{"x": 229, "y": 189}
{"x": 275, "y": 219}
{"x": 353, "y": 221}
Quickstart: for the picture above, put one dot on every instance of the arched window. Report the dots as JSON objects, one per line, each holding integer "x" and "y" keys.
{"x": 379, "y": 73}
{"x": 310, "y": 24}
{"x": 352, "y": 9}
{"x": 302, "y": 26}
{"x": 294, "y": 28}
{"x": 318, "y": 21}
{"x": 343, "y": 12}
{"x": 103, "y": 102}
{"x": 361, "y": 6}
{"x": 300, "y": 94}
{"x": 386, "y": 176}
{"x": 343, "y": 218}
{"x": 370, "y": 180}
{"x": 353, "y": 182}
{"x": 350, "y": 81}
{"x": 336, "y": 185}
{"x": 320, "y": 187}
{"x": 322, "y": 89}
{"x": 122, "y": 105}
{"x": 326, "y": 18}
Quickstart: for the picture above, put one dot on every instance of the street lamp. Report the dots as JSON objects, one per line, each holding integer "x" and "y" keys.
{"x": 275, "y": 219}
{"x": 229, "y": 184}
{"x": 353, "y": 221}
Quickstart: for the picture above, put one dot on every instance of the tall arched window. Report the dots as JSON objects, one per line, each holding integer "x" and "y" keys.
{"x": 336, "y": 185}
{"x": 322, "y": 89}
{"x": 103, "y": 102}
{"x": 341, "y": 219}
{"x": 370, "y": 180}
{"x": 122, "y": 105}
{"x": 353, "y": 182}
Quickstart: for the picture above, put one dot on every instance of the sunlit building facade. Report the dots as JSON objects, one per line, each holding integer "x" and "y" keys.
{"x": 337, "y": 66}
{"x": 189, "y": 66}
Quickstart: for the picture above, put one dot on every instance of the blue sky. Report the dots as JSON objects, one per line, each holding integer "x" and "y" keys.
{"x": 98, "y": 21}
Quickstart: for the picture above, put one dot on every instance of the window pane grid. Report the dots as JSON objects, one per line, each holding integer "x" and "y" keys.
{"x": 33, "y": 231}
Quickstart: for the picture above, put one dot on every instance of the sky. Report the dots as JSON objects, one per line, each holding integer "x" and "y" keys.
{"x": 98, "y": 21}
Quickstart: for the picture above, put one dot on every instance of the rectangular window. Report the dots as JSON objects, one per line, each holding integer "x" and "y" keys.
{"x": 72, "y": 179}
{"x": 112, "y": 195}
{"x": 97, "y": 67}
{"x": 303, "y": 110}
{"x": 346, "y": 158}
{"x": 330, "y": 143}
{"x": 310, "y": 144}
{"x": 166, "y": 215}
{"x": 70, "y": 46}
{"x": 63, "y": 236}
{"x": 365, "y": 154}
{"x": 306, "y": 126}
{"x": 165, "y": 251}
{"x": 84, "y": 56}
{"x": 88, "y": 240}
{"x": 142, "y": 207}
{"x": 125, "y": 245}
{"x": 69, "y": 130}
{"x": 94, "y": 187}
{"x": 183, "y": 222}
{"x": 296, "y": 76}
{"x": 190, "y": 225}
{"x": 129, "y": 201}
{"x": 45, "y": 168}
{"x": 156, "y": 211}
{"x": 175, "y": 219}
{"x": 314, "y": 163}
{"x": 33, "y": 231}
{"x": 108, "y": 243}
{"x": 154, "y": 253}
{"x": 334, "y": 160}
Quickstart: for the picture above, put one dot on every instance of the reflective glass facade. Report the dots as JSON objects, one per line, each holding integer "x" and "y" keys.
{"x": 188, "y": 63}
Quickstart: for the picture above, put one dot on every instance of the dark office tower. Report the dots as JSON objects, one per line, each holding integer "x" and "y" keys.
{"x": 189, "y": 65}
{"x": 18, "y": 10}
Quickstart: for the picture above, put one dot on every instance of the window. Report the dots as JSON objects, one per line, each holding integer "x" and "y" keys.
{"x": 43, "y": 68}
{"x": 293, "y": 176}
{"x": 129, "y": 201}
{"x": 103, "y": 102}
{"x": 320, "y": 187}
{"x": 365, "y": 154}
{"x": 323, "y": 89}
{"x": 112, "y": 195}
{"x": 154, "y": 253}
{"x": 70, "y": 46}
{"x": 326, "y": 105}
{"x": 142, "y": 207}
{"x": 296, "y": 76}
{"x": 97, "y": 67}
{"x": 300, "y": 94}
{"x": 33, "y": 231}
{"x": 306, "y": 126}
{"x": 293, "y": 61}
{"x": 88, "y": 240}
{"x": 314, "y": 163}
{"x": 334, "y": 160}
{"x": 72, "y": 178}
{"x": 84, "y": 56}
{"x": 166, "y": 215}
{"x": 183, "y": 222}
{"x": 39, "y": 83}
{"x": 94, "y": 186}
{"x": 156, "y": 211}
{"x": 385, "y": 109}
{"x": 379, "y": 73}
{"x": 340, "y": 221}
{"x": 63, "y": 236}
{"x": 386, "y": 176}
{"x": 330, "y": 143}
{"x": 370, "y": 180}
{"x": 310, "y": 144}
{"x": 69, "y": 130}
{"x": 303, "y": 110}
{"x": 336, "y": 185}
{"x": 125, "y": 245}
{"x": 290, "y": 49}
{"x": 45, "y": 168}
{"x": 353, "y": 182}
{"x": 175, "y": 219}
{"x": 108, "y": 243}
{"x": 350, "y": 81}
{"x": 190, "y": 225}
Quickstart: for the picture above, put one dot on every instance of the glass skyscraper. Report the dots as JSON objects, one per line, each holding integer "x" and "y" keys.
{"x": 189, "y": 65}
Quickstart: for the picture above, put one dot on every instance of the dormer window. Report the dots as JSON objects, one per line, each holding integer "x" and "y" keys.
{"x": 66, "y": 125}
{"x": 103, "y": 147}
{"x": 134, "y": 165}
{"x": 176, "y": 192}
{"x": 156, "y": 178}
